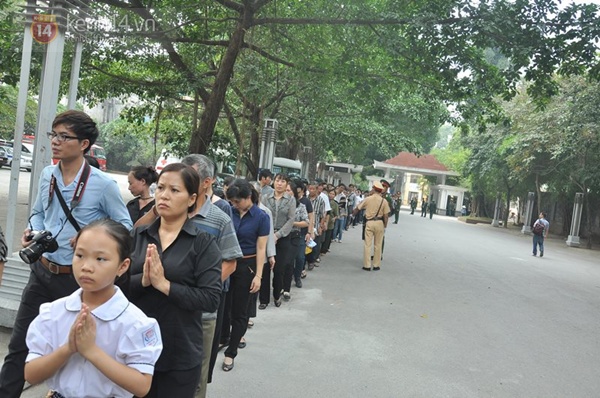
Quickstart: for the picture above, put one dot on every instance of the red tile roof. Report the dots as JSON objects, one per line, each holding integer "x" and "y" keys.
{"x": 409, "y": 159}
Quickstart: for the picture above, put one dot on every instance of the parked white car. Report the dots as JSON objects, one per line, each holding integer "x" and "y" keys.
{"x": 26, "y": 158}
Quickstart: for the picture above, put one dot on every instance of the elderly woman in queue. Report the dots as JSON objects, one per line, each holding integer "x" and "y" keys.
{"x": 140, "y": 178}
{"x": 252, "y": 227}
{"x": 175, "y": 276}
{"x": 283, "y": 209}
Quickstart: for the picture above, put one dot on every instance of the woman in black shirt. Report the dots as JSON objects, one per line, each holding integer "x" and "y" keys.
{"x": 140, "y": 178}
{"x": 175, "y": 276}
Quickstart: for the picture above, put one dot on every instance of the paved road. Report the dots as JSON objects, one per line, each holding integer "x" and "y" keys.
{"x": 456, "y": 311}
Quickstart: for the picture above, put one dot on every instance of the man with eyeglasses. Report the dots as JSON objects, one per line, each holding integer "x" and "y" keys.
{"x": 87, "y": 195}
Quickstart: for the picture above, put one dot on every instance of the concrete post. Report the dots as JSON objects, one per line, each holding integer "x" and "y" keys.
{"x": 496, "y": 221}
{"x": 528, "y": 213}
{"x": 573, "y": 238}
{"x": 48, "y": 101}
{"x": 13, "y": 190}
{"x": 74, "y": 81}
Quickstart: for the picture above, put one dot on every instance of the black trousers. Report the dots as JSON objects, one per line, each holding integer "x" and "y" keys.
{"x": 327, "y": 241}
{"x": 283, "y": 259}
{"x": 237, "y": 304}
{"x": 43, "y": 287}
{"x": 316, "y": 251}
{"x": 288, "y": 272}
{"x": 175, "y": 383}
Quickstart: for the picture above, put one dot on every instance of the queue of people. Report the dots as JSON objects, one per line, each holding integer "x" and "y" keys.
{"x": 137, "y": 299}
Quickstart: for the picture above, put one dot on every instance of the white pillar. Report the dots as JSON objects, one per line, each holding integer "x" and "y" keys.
{"x": 13, "y": 190}
{"x": 495, "y": 221}
{"x": 528, "y": 213}
{"x": 75, "y": 68}
{"x": 48, "y": 101}
{"x": 573, "y": 238}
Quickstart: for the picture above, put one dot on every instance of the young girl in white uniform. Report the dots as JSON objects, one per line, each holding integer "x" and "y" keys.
{"x": 95, "y": 343}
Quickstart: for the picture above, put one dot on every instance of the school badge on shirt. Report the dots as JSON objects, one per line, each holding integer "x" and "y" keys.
{"x": 149, "y": 337}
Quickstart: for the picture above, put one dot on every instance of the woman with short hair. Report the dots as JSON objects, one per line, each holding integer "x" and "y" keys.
{"x": 252, "y": 227}
{"x": 175, "y": 276}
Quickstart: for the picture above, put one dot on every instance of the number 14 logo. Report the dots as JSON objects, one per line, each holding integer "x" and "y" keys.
{"x": 44, "y": 28}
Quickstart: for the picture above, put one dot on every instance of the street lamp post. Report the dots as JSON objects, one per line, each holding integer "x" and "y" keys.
{"x": 267, "y": 145}
{"x": 306, "y": 152}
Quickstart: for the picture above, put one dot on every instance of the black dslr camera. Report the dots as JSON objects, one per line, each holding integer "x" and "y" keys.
{"x": 42, "y": 242}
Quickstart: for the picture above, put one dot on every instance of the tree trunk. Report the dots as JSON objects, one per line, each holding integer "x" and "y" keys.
{"x": 507, "y": 212}
{"x": 253, "y": 155}
{"x": 202, "y": 138}
{"x": 157, "y": 130}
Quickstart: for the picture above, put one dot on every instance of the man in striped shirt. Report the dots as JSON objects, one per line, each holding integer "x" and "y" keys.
{"x": 320, "y": 214}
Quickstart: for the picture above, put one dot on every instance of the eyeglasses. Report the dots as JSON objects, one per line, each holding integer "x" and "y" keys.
{"x": 60, "y": 137}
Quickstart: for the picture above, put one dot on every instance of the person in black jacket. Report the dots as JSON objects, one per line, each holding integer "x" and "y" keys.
{"x": 175, "y": 277}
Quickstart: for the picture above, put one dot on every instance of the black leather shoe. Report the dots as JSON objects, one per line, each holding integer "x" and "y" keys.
{"x": 262, "y": 306}
{"x": 366, "y": 269}
{"x": 376, "y": 268}
{"x": 242, "y": 344}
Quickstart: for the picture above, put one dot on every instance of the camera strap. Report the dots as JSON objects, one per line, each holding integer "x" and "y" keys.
{"x": 81, "y": 184}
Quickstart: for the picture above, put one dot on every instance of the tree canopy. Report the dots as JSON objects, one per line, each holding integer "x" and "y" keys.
{"x": 340, "y": 76}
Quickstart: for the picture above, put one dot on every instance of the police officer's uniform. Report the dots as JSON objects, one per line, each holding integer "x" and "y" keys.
{"x": 376, "y": 215}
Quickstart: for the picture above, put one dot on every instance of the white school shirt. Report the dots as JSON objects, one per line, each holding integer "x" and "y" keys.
{"x": 123, "y": 331}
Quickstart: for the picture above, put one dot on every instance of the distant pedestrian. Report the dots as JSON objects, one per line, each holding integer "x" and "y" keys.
{"x": 423, "y": 208}
{"x": 265, "y": 177}
{"x": 540, "y": 231}
{"x": 140, "y": 178}
{"x": 432, "y": 208}
{"x": 413, "y": 205}
{"x": 358, "y": 217}
{"x": 333, "y": 216}
{"x": 320, "y": 223}
{"x": 397, "y": 205}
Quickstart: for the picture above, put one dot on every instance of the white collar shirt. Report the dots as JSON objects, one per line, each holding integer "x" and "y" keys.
{"x": 325, "y": 198}
{"x": 123, "y": 331}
